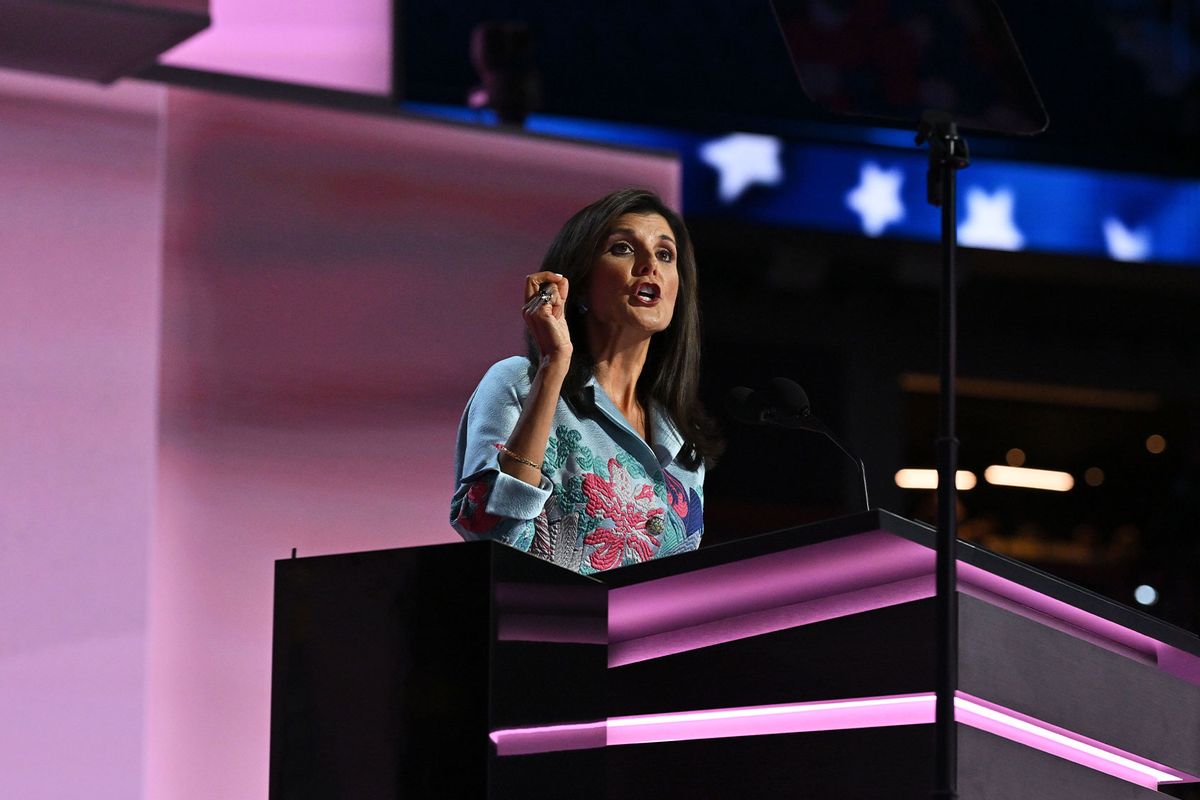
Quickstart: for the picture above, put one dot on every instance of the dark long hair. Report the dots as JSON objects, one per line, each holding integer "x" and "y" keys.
{"x": 671, "y": 375}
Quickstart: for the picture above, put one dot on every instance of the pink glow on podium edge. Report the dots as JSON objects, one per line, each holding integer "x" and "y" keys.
{"x": 791, "y": 588}
{"x": 1169, "y": 659}
{"x": 1064, "y": 743}
{"x": 818, "y": 570}
{"x": 769, "y": 620}
{"x": 550, "y": 738}
{"x": 827, "y": 715}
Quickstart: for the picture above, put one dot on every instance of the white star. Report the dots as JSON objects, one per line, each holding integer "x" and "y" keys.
{"x": 743, "y": 159}
{"x": 989, "y": 221}
{"x": 1125, "y": 244}
{"x": 876, "y": 199}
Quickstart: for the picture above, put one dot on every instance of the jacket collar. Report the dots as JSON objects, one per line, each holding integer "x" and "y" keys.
{"x": 665, "y": 439}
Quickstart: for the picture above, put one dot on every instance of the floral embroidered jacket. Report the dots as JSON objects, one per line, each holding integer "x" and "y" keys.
{"x": 607, "y": 498}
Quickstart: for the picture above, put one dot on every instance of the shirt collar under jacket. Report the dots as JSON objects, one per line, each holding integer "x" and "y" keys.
{"x": 665, "y": 440}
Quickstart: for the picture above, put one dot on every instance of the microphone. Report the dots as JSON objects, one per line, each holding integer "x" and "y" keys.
{"x": 790, "y": 404}
{"x": 746, "y": 405}
{"x": 785, "y": 403}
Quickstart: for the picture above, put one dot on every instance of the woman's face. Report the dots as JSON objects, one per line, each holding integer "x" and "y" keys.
{"x": 634, "y": 280}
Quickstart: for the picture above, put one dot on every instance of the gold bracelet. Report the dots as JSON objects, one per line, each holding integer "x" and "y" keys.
{"x": 518, "y": 458}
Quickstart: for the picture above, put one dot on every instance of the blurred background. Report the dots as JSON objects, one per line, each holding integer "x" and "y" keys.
{"x": 249, "y": 287}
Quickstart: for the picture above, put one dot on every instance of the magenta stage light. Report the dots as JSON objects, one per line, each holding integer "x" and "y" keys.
{"x": 833, "y": 579}
{"x": 550, "y": 738}
{"x": 828, "y": 715}
{"x": 1062, "y": 742}
{"x": 764, "y": 594}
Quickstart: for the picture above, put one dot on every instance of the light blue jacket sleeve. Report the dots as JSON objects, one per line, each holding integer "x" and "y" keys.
{"x": 488, "y": 503}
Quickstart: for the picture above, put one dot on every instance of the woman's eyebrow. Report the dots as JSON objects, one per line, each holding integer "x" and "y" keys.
{"x": 633, "y": 233}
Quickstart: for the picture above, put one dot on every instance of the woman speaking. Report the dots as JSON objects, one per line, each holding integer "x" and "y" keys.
{"x": 591, "y": 451}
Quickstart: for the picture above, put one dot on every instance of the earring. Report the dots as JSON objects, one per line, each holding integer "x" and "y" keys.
{"x": 582, "y": 306}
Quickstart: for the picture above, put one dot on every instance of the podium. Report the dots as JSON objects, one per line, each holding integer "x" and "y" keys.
{"x": 796, "y": 663}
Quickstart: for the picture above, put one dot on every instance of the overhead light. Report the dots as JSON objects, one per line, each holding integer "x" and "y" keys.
{"x": 928, "y": 479}
{"x": 1027, "y": 478}
{"x": 1155, "y": 443}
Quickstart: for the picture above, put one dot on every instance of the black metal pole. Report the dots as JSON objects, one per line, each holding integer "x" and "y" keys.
{"x": 947, "y": 514}
{"x": 947, "y": 155}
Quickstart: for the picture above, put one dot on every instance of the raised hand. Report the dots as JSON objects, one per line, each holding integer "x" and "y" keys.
{"x": 545, "y": 316}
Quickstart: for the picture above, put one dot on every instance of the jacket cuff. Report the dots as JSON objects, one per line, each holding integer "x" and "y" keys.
{"x": 514, "y": 498}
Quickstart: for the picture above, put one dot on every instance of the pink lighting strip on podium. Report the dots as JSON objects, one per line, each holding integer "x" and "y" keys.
{"x": 767, "y": 593}
{"x": 866, "y": 712}
{"x": 835, "y": 579}
{"x": 829, "y": 715}
{"x": 1063, "y": 743}
{"x": 550, "y": 738}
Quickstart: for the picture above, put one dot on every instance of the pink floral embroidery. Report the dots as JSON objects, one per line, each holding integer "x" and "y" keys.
{"x": 473, "y": 514}
{"x": 628, "y": 509}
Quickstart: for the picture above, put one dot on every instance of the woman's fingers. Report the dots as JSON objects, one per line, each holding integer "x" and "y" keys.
{"x": 547, "y": 289}
{"x": 544, "y": 312}
{"x": 537, "y": 281}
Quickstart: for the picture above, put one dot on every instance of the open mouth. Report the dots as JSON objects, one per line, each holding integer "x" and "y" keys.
{"x": 647, "y": 293}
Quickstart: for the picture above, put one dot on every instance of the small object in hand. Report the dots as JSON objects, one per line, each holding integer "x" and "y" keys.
{"x": 545, "y": 296}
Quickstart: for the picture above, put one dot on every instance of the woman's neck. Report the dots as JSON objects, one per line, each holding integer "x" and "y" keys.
{"x": 617, "y": 370}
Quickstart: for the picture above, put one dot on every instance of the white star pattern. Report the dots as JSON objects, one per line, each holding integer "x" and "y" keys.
{"x": 989, "y": 221}
{"x": 876, "y": 199}
{"x": 1125, "y": 244}
{"x": 742, "y": 160}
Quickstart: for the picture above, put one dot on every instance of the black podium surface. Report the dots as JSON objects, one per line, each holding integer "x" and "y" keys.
{"x": 793, "y": 663}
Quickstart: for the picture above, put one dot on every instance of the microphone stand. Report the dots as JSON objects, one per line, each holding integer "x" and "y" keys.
{"x": 947, "y": 155}
{"x": 806, "y": 421}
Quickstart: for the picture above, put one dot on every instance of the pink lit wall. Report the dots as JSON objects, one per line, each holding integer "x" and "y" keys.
{"x": 336, "y": 44}
{"x": 333, "y": 287}
{"x": 80, "y": 250}
{"x": 319, "y": 291}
